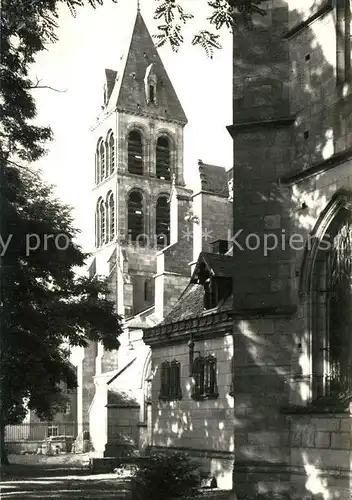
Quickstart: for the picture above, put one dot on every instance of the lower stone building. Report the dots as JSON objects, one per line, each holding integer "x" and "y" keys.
{"x": 292, "y": 252}
{"x": 115, "y": 388}
{"x": 191, "y": 357}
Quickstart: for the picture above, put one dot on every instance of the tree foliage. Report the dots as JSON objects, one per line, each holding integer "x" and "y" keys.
{"x": 44, "y": 305}
{"x": 224, "y": 13}
{"x": 45, "y": 308}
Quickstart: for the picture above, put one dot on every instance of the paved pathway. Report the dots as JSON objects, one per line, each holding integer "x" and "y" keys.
{"x": 58, "y": 481}
{"x": 104, "y": 486}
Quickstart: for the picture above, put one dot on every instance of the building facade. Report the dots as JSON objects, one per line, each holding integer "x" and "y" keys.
{"x": 149, "y": 230}
{"x": 292, "y": 252}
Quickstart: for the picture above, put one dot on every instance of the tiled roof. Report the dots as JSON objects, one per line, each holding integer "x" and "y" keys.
{"x": 190, "y": 304}
{"x": 145, "y": 319}
{"x": 128, "y": 94}
{"x": 218, "y": 265}
{"x": 214, "y": 179}
{"x": 110, "y": 75}
{"x": 121, "y": 399}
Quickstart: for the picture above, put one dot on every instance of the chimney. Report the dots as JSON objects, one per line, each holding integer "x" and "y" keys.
{"x": 220, "y": 246}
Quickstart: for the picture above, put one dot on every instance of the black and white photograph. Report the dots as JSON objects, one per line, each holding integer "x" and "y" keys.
{"x": 176, "y": 249}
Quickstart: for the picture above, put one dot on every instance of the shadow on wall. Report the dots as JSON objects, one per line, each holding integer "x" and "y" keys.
{"x": 203, "y": 428}
{"x": 283, "y": 182}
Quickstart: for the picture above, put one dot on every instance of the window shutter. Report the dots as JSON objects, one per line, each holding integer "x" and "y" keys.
{"x": 213, "y": 389}
{"x": 176, "y": 391}
{"x": 207, "y": 377}
{"x": 232, "y": 388}
{"x": 164, "y": 380}
{"x": 195, "y": 375}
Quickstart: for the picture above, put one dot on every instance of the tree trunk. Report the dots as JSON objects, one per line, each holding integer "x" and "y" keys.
{"x": 3, "y": 452}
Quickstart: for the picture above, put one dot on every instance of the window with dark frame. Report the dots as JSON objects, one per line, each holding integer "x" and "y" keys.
{"x": 102, "y": 223}
{"x": 97, "y": 226}
{"x": 232, "y": 388}
{"x": 170, "y": 381}
{"x": 204, "y": 378}
{"x": 152, "y": 94}
{"x": 215, "y": 290}
{"x": 111, "y": 211}
{"x": 111, "y": 146}
{"x": 331, "y": 296}
{"x": 135, "y": 153}
{"x": 135, "y": 216}
{"x": 149, "y": 290}
{"x": 52, "y": 431}
{"x": 102, "y": 160}
{"x": 163, "y": 158}
{"x": 163, "y": 221}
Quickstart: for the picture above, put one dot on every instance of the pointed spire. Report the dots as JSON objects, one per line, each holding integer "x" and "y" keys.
{"x": 138, "y": 6}
{"x": 131, "y": 93}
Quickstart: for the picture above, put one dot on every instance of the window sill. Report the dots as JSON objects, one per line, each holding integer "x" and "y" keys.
{"x": 142, "y": 424}
{"x": 169, "y": 398}
{"x": 204, "y": 397}
{"x": 322, "y": 406}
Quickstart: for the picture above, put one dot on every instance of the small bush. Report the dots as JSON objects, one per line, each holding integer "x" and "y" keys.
{"x": 165, "y": 477}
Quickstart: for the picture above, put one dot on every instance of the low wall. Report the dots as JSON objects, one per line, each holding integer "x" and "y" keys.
{"x": 23, "y": 446}
{"x": 320, "y": 451}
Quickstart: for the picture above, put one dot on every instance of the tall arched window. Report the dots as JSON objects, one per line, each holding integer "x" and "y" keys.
{"x": 331, "y": 309}
{"x": 97, "y": 225}
{"x": 102, "y": 162}
{"x": 111, "y": 215}
{"x": 102, "y": 222}
{"x": 111, "y": 153}
{"x": 163, "y": 221}
{"x": 135, "y": 216}
{"x": 98, "y": 160}
{"x": 163, "y": 159}
{"x": 135, "y": 153}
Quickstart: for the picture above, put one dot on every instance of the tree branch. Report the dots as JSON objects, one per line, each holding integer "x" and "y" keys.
{"x": 37, "y": 86}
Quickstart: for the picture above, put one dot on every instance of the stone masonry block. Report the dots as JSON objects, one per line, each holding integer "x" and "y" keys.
{"x": 322, "y": 439}
{"x": 346, "y": 425}
{"x": 296, "y": 439}
{"x": 327, "y": 424}
{"x": 340, "y": 440}
{"x": 308, "y": 438}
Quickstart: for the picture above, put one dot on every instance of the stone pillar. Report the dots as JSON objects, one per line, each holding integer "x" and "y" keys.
{"x": 262, "y": 136}
{"x": 151, "y": 150}
{"x": 178, "y": 158}
{"x": 86, "y": 389}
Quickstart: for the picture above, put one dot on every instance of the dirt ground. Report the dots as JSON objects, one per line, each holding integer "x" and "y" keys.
{"x": 68, "y": 476}
{"x": 64, "y": 476}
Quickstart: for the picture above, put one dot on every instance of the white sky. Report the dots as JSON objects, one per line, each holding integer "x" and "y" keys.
{"x": 93, "y": 41}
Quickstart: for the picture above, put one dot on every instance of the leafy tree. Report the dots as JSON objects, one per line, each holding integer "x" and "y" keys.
{"x": 43, "y": 305}
{"x": 225, "y": 13}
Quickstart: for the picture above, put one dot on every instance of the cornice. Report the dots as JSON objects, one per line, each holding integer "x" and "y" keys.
{"x": 102, "y": 118}
{"x": 200, "y": 327}
{"x": 318, "y": 168}
{"x": 328, "y": 7}
{"x": 260, "y": 312}
{"x": 150, "y": 115}
{"x": 211, "y": 193}
{"x": 244, "y": 127}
